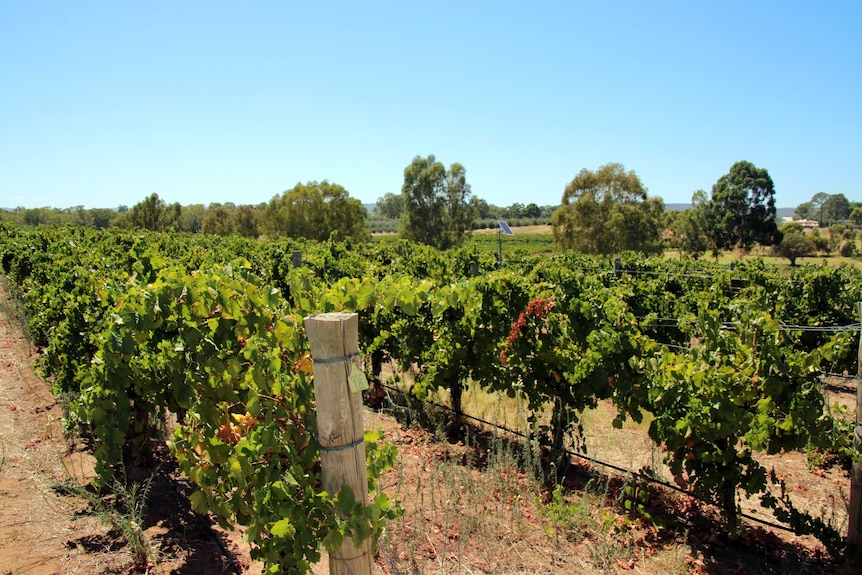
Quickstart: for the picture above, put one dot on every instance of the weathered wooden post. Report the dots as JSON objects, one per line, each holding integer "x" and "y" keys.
{"x": 296, "y": 257}
{"x": 854, "y": 523}
{"x": 334, "y": 340}
{"x": 618, "y": 267}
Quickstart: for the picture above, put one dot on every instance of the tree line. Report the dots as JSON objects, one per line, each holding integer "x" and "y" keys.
{"x": 608, "y": 211}
{"x": 314, "y": 210}
{"x": 604, "y": 211}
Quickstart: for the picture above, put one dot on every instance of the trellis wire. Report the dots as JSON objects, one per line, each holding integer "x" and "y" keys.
{"x": 585, "y": 457}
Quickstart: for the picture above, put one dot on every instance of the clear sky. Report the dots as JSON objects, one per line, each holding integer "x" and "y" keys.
{"x": 104, "y": 103}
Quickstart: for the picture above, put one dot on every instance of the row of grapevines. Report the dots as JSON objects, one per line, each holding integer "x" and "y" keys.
{"x": 216, "y": 347}
{"x": 737, "y": 380}
{"x": 562, "y": 331}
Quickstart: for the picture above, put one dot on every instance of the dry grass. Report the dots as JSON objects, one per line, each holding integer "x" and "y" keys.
{"x": 471, "y": 507}
{"x": 480, "y": 505}
{"x": 540, "y": 229}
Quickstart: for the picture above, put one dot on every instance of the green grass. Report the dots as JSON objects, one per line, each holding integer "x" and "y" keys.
{"x": 537, "y": 244}
{"x": 532, "y": 244}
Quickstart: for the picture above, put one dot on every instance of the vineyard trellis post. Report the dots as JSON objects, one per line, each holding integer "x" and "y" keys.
{"x": 618, "y": 267}
{"x": 334, "y": 341}
{"x": 854, "y": 524}
{"x": 296, "y": 258}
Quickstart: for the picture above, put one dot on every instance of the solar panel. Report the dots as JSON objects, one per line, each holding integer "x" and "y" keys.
{"x": 505, "y": 227}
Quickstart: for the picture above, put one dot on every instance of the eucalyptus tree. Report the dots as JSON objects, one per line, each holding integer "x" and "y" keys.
{"x": 317, "y": 211}
{"x": 438, "y": 209}
{"x": 742, "y": 209}
{"x": 608, "y": 211}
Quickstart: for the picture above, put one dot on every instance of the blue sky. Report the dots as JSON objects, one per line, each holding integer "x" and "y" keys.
{"x": 104, "y": 103}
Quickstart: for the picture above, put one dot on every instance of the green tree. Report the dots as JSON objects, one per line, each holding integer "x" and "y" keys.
{"x": 532, "y": 210}
{"x": 835, "y": 209}
{"x": 247, "y": 220}
{"x": 606, "y": 212}
{"x": 690, "y": 227}
{"x": 794, "y": 245}
{"x": 79, "y": 216}
{"x": 219, "y": 221}
{"x": 817, "y": 201}
{"x": 821, "y": 243}
{"x": 742, "y": 209}
{"x": 811, "y": 210}
{"x": 151, "y": 214}
{"x": 315, "y": 211}
{"x": 804, "y": 211}
{"x": 792, "y": 228}
{"x": 101, "y": 218}
{"x": 516, "y": 210}
{"x": 37, "y": 216}
{"x": 482, "y": 209}
{"x": 390, "y": 206}
{"x": 438, "y": 209}
{"x": 191, "y": 218}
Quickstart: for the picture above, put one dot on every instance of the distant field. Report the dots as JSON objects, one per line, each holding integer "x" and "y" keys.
{"x": 544, "y": 229}
{"x": 532, "y": 240}
{"x": 539, "y": 239}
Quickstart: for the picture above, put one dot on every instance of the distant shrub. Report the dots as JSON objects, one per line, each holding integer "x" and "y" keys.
{"x": 848, "y": 249}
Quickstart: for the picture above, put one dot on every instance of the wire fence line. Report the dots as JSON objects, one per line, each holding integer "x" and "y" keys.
{"x": 657, "y": 322}
{"x": 618, "y": 272}
{"x": 674, "y": 322}
{"x": 584, "y": 457}
{"x": 670, "y": 274}
{"x": 846, "y": 376}
{"x": 822, "y": 328}
{"x": 699, "y": 275}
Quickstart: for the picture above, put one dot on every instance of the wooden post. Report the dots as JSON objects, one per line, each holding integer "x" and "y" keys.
{"x": 334, "y": 340}
{"x": 618, "y": 267}
{"x": 296, "y": 257}
{"x": 854, "y": 523}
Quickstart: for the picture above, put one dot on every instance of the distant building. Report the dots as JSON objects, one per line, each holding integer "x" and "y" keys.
{"x": 805, "y": 223}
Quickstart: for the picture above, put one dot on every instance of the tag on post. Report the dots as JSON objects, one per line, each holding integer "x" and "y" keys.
{"x": 357, "y": 379}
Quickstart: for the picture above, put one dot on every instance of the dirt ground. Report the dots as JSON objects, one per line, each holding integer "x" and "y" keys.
{"x": 469, "y": 507}
{"x": 48, "y": 524}
{"x": 37, "y": 525}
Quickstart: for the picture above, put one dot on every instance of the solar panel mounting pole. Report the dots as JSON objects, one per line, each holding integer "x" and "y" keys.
{"x": 503, "y": 229}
